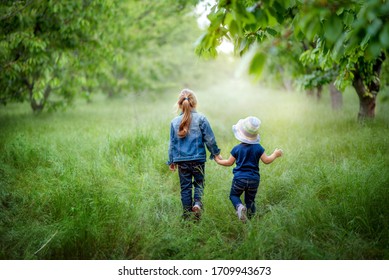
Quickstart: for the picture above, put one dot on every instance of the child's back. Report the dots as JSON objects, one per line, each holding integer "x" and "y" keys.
{"x": 247, "y": 158}
{"x": 246, "y": 155}
{"x": 190, "y": 134}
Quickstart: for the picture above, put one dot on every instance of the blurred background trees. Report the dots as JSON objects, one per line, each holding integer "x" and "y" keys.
{"x": 44, "y": 49}
{"x": 345, "y": 39}
{"x": 52, "y": 51}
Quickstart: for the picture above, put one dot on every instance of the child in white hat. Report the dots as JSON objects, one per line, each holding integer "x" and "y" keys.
{"x": 246, "y": 155}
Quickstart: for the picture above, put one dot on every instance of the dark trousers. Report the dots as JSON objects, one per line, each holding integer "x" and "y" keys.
{"x": 249, "y": 188}
{"x": 192, "y": 181}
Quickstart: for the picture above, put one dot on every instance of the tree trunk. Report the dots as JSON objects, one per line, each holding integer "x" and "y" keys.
{"x": 367, "y": 90}
{"x": 367, "y": 101}
{"x": 38, "y": 106}
{"x": 288, "y": 84}
{"x": 319, "y": 90}
{"x": 309, "y": 92}
{"x": 336, "y": 97}
{"x": 35, "y": 106}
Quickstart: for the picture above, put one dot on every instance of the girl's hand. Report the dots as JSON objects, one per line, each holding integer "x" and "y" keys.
{"x": 172, "y": 167}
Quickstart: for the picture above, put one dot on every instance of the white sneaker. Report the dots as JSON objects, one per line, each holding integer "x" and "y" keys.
{"x": 196, "y": 208}
{"x": 241, "y": 212}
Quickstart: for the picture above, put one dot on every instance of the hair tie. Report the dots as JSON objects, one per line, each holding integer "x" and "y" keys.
{"x": 186, "y": 98}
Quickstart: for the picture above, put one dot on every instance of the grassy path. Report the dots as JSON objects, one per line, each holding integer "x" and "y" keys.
{"x": 91, "y": 182}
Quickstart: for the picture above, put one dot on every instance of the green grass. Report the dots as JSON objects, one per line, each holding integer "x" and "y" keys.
{"x": 92, "y": 183}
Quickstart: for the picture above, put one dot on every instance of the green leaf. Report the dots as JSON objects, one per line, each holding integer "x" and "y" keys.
{"x": 261, "y": 18}
{"x": 365, "y": 41}
{"x": 274, "y": 12}
{"x": 271, "y": 31}
{"x": 243, "y": 45}
{"x": 374, "y": 27}
{"x": 384, "y": 36}
{"x": 333, "y": 28}
{"x": 348, "y": 18}
{"x": 340, "y": 11}
{"x": 234, "y": 28}
{"x": 309, "y": 25}
{"x": 374, "y": 50}
{"x": 339, "y": 48}
{"x": 257, "y": 63}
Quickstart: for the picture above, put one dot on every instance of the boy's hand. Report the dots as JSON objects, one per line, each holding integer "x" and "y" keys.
{"x": 278, "y": 152}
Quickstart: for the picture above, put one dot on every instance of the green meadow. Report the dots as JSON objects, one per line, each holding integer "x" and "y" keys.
{"x": 92, "y": 182}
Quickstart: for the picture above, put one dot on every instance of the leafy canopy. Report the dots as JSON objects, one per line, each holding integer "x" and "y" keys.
{"x": 341, "y": 32}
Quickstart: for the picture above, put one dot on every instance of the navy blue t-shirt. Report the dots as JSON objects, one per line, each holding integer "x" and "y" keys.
{"x": 247, "y": 160}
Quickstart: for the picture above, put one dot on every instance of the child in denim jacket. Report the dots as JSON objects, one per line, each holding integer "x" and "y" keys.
{"x": 246, "y": 173}
{"x": 190, "y": 132}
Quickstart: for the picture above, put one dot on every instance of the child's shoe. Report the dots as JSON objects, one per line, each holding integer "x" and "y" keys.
{"x": 241, "y": 212}
{"x": 197, "y": 209}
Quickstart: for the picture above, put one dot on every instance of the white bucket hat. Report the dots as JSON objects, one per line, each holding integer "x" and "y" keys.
{"x": 246, "y": 130}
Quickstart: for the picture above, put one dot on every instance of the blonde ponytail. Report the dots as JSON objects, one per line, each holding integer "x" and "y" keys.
{"x": 186, "y": 102}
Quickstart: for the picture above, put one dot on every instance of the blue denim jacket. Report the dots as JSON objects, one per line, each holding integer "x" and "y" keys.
{"x": 192, "y": 146}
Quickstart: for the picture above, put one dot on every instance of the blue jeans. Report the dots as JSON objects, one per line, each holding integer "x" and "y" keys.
{"x": 191, "y": 175}
{"x": 249, "y": 188}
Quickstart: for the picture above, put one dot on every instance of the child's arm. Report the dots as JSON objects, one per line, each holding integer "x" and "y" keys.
{"x": 225, "y": 162}
{"x": 269, "y": 159}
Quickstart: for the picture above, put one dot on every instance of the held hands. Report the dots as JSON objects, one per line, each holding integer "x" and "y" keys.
{"x": 218, "y": 158}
